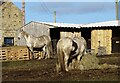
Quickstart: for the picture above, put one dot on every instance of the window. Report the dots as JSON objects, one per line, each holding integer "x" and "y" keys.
{"x": 8, "y": 41}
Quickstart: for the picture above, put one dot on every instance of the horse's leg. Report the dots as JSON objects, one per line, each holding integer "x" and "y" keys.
{"x": 81, "y": 53}
{"x": 84, "y": 52}
{"x": 44, "y": 52}
{"x": 31, "y": 49}
{"x": 79, "y": 57}
{"x": 66, "y": 57}
{"x": 48, "y": 51}
{"x": 66, "y": 63}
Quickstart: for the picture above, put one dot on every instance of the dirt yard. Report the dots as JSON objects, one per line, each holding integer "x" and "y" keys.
{"x": 45, "y": 70}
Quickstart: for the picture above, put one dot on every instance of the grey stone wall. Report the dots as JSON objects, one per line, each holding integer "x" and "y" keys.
{"x": 11, "y": 20}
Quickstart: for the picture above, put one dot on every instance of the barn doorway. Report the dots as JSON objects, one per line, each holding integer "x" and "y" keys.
{"x": 86, "y": 33}
{"x": 55, "y": 36}
{"x": 116, "y": 40}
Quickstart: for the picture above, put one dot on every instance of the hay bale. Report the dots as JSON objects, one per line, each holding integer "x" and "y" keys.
{"x": 87, "y": 62}
{"x": 107, "y": 66}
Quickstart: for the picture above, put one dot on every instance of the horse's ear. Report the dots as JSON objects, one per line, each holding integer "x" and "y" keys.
{"x": 21, "y": 29}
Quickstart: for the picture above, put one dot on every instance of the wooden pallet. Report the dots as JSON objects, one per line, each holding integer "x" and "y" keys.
{"x": 3, "y": 54}
{"x": 39, "y": 54}
{"x": 14, "y": 53}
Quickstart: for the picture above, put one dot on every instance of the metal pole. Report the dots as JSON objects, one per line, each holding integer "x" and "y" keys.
{"x": 54, "y": 16}
{"x": 117, "y": 10}
{"x": 23, "y": 11}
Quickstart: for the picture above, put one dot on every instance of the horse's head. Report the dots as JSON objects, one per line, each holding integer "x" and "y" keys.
{"x": 21, "y": 34}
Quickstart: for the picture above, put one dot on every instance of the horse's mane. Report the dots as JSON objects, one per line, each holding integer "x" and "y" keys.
{"x": 23, "y": 32}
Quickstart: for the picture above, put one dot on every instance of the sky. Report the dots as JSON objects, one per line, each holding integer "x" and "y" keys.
{"x": 72, "y": 11}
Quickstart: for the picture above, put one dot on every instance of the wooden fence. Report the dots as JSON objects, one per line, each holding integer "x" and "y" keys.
{"x": 38, "y": 55}
{"x": 14, "y": 53}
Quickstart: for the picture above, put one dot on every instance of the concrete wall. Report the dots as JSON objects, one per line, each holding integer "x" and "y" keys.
{"x": 36, "y": 29}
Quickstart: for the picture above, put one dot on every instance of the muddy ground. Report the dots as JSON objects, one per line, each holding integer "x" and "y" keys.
{"x": 45, "y": 70}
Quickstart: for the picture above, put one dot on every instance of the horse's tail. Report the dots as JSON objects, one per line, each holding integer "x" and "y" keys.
{"x": 85, "y": 45}
{"x": 60, "y": 55}
{"x": 49, "y": 47}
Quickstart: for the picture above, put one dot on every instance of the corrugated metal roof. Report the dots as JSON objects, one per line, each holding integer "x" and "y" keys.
{"x": 67, "y": 25}
{"x": 98, "y": 24}
{"x": 103, "y": 24}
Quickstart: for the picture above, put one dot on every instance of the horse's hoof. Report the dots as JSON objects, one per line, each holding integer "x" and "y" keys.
{"x": 66, "y": 69}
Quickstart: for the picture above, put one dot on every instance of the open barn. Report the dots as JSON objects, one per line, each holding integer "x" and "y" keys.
{"x": 101, "y": 37}
{"x": 105, "y": 37}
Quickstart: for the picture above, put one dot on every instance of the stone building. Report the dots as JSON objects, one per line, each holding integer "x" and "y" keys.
{"x": 10, "y": 20}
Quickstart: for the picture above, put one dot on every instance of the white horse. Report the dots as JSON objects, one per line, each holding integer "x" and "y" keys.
{"x": 70, "y": 48}
{"x": 43, "y": 42}
{"x": 81, "y": 47}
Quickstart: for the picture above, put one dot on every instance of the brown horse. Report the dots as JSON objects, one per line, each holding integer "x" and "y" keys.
{"x": 43, "y": 42}
{"x": 68, "y": 48}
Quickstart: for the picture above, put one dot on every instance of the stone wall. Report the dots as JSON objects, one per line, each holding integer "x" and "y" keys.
{"x": 11, "y": 20}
